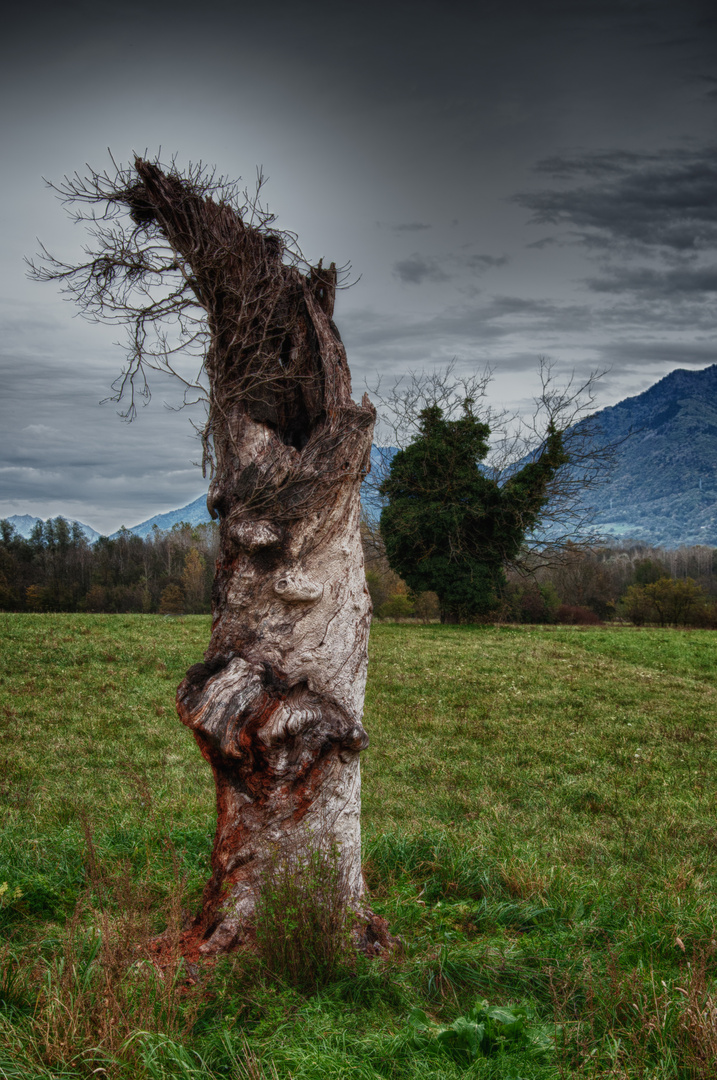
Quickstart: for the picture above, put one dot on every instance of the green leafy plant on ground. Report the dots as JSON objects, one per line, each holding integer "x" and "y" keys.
{"x": 486, "y": 1030}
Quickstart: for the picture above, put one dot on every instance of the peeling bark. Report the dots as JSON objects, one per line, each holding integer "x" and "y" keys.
{"x": 276, "y": 706}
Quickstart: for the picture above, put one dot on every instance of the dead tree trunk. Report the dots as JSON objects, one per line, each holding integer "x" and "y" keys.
{"x": 276, "y": 706}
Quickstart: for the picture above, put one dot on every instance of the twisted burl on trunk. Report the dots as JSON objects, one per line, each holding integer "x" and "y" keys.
{"x": 276, "y": 705}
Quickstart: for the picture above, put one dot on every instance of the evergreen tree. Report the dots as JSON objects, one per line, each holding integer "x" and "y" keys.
{"x": 450, "y": 528}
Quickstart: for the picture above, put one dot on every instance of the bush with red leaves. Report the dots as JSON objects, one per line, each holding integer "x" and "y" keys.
{"x": 577, "y": 616}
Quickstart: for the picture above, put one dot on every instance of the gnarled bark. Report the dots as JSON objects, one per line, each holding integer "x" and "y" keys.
{"x": 276, "y": 706}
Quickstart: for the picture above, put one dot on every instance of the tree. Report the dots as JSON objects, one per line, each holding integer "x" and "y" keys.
{"x": 171, "y": 601}
{"x": 450, "y": 528}
{"x": 276, "y": 704}
{"x": 648, "y": 571}
{"x": 193, "y": 581}
{"x": 568, "y": 513}
{"x": 667, "y": 602}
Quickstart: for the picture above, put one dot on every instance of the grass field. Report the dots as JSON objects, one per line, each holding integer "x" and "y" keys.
{"x": 539, "y": 828}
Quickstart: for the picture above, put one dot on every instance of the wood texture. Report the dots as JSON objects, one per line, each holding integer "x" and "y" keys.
{"x": 276, "y": 706}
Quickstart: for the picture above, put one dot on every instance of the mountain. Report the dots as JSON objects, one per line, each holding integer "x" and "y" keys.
{"x": 663, "y": 490}
{"x": 194, "y": 513}
{"x": 25, "y": 523}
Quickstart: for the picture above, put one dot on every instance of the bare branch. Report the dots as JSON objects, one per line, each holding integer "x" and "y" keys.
{"x": 196, "y": 269}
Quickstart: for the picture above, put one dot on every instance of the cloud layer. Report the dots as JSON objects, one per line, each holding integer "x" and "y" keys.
{"x": 507, "y": 180}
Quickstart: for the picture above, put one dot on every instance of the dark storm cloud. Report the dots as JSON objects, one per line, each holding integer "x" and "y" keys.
{"x": 416, "y": 269}
{"x": 470, "y": 331}
{"x": 410, "y": 226}
{"x": 480, "y": 263}
{"x": 635, "y": 316}
{"x": 642, "y": 202}
{"x": 633, "y": 357}
{"x": 673, "y": 284}
{"x": 596, "y": 165}
{"x": 711, "y": 82}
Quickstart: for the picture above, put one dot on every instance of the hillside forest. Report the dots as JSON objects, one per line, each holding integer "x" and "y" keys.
{"x": 171, "y": 573}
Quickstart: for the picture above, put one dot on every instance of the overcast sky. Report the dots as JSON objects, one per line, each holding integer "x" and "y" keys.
{"x": 508, "y": 180}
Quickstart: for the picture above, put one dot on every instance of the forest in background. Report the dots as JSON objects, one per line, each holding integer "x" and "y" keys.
{"x": 171, "y": 573}
{"x": 641, "y": 583}
{"x": 57, "y": 569}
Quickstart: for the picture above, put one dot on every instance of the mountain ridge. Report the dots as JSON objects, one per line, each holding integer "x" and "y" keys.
{"x": 194, "y": 513}
{"x": 25, "y": 523}
{"x": 662, "y": 491}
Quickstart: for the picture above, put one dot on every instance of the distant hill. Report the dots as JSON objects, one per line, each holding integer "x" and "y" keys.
{"x": 664, "y": 487}
{"x": 663, "y": 490}
{"x": 25, "y": 523}
{"x": 194, "y": 513}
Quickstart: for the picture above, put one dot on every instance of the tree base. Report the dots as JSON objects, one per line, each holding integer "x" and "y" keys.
{"x": 370, "y": 937}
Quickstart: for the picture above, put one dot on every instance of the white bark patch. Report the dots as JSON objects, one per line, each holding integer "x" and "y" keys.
{"x": 252, "y": 535}
{"x": 298, "y": 589}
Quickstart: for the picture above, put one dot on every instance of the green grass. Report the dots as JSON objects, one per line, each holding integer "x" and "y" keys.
{"x": 539, "y": 823}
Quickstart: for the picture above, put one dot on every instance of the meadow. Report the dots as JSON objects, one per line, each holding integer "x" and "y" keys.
{"x": 539, "y": 815}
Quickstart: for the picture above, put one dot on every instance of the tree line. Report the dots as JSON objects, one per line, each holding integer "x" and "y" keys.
{"x": 642, "y": 584}
{"x": 638, "y": 583}
{"x": 57, "y": 569}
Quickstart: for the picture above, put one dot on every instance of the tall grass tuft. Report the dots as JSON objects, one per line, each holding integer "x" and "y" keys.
{"x": 100, "y": 986}
{"x": 303, "y": 917}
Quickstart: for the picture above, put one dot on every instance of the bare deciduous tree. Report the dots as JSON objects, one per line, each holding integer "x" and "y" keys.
{"x": 276, "y": 705}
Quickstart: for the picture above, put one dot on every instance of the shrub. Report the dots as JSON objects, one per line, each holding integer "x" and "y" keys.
{"x": 538, "y": 604}
{"x": 427, "y": 608}
{"x": 398, "y": 606}
{"x": 303, "y": 917}
{"x": 636, "y": 605}
{"x": 571, "y": 615}
{"x": 667, "y": 602}
{"x": 678, "y": 602}
{"x": 529, "y": 603}
{"x": 171, "y": 601}
{"x": 710, "y": 616}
